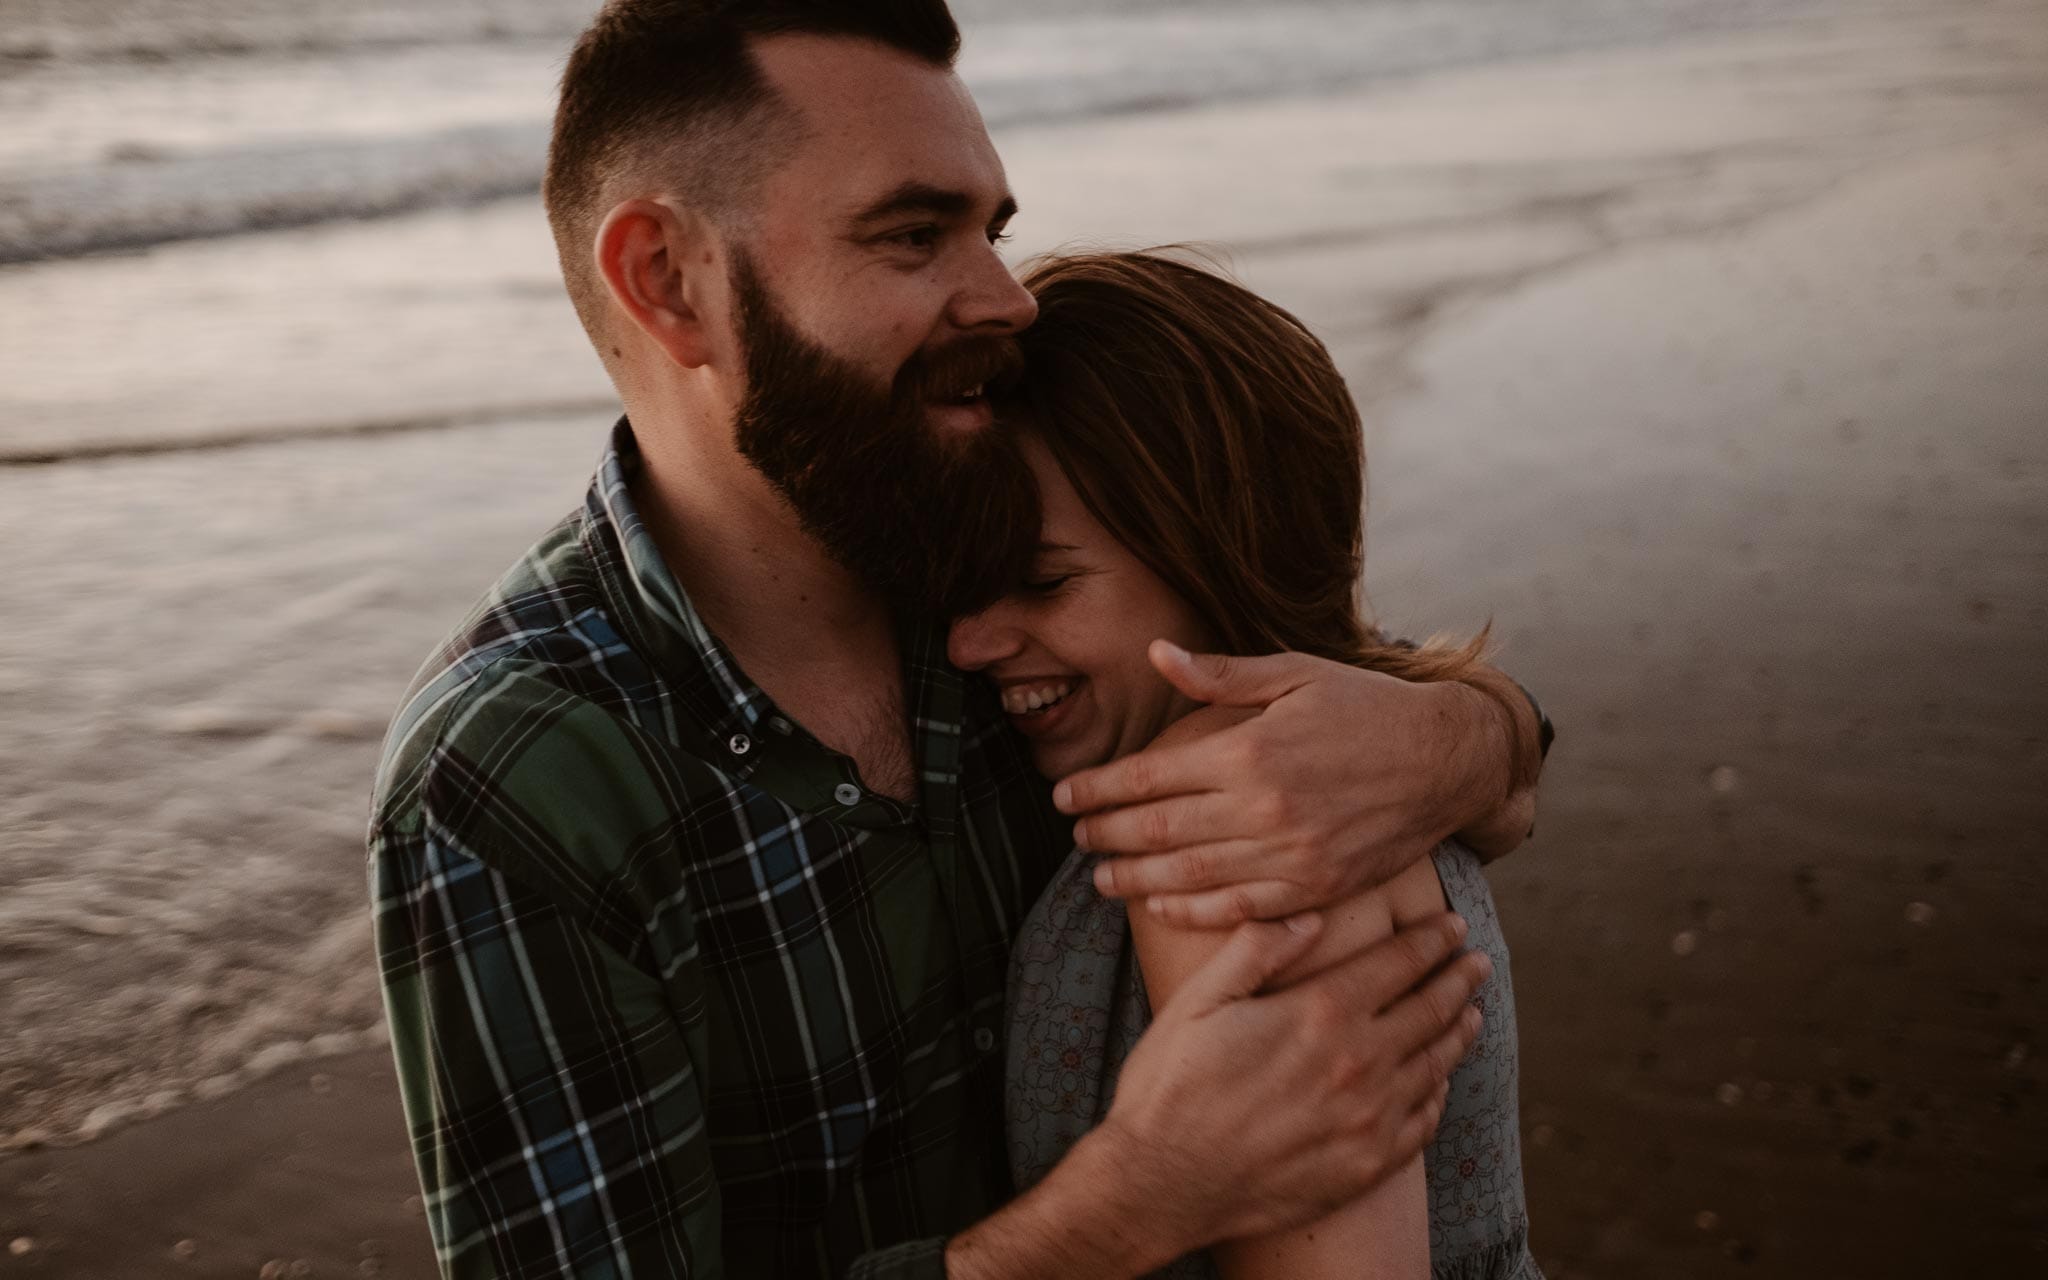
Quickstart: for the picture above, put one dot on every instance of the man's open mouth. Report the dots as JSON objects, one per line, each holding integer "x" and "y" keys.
{"x": 973, "y": 373}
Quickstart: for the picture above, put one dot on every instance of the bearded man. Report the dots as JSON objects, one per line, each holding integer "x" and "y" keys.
{"x": 695, "y": 865}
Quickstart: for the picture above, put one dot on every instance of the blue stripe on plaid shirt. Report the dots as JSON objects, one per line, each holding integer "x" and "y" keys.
{"x": 666, "y": 998}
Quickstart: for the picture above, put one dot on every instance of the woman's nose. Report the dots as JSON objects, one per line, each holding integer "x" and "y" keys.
{"x": 980, "y": 639}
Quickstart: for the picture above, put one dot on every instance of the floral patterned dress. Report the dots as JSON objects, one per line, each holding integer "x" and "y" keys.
{"x": 1077, "y": 1006}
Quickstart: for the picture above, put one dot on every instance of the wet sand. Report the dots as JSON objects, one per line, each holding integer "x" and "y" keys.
{"x": 1713, "y": 372}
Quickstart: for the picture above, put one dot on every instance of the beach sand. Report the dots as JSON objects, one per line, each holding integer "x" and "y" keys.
{"x": 1714, "y": 373}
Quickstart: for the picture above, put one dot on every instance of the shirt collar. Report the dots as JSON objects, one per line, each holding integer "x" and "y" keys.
{"x": 734, "y": 720}
{"x": 724, "y": 698}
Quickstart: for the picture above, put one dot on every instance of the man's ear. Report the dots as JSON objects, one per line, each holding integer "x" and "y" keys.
{"x": 657, "y": 260}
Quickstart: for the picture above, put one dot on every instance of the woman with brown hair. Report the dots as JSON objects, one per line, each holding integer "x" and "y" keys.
{"x": 1200, "y": 467}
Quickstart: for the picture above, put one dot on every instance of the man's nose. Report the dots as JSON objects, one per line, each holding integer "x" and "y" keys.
{"x": 993, "y": 302}
{"x": 982, "y": 639}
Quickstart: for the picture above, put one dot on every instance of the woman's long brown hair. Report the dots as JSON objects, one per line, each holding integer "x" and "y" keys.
{"x": 1210, "y": 432}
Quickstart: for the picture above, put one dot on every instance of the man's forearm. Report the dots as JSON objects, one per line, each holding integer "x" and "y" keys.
{"x": 1081, "y": 1220}
{"x": 1504, "y": 759}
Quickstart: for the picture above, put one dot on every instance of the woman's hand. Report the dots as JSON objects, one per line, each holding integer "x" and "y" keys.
{"x": 1343, "y": 778}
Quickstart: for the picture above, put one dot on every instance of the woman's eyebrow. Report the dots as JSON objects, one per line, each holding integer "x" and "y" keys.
{"x": 1056, "y": 546}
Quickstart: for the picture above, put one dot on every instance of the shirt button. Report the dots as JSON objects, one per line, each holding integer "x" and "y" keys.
{"x": 740, "y": 744}
{"x": 846, "y": 793}
{"x": 780, "y": 725}
{"x": 984, "y": 1039}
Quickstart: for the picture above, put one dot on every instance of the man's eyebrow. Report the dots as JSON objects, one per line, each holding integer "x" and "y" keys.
{"x": 922, "y": 197}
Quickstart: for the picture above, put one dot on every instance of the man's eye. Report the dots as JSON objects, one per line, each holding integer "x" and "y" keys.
{"x": 917, "y": 238}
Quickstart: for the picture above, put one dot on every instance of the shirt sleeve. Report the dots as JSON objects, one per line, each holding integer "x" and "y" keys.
{"x": 553, "y": 1105}
{"x": 546, "y": 1018}
{"x": 547, "y": 1003}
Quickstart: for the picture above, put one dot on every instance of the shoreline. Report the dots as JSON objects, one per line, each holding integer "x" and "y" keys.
{"x": 1722, "y": 384}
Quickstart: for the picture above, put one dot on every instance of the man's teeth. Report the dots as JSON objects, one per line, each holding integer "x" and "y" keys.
{"x": 1022, "y": 700}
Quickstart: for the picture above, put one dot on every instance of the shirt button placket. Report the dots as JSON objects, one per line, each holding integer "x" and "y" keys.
{"x": 739, "y": 744}
{"x": 846, "y": 793}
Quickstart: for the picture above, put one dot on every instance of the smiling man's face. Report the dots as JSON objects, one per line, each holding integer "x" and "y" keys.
{"x": 873, "y": 310}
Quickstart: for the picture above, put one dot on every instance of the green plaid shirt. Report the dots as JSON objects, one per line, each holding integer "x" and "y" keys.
{"x": 671, "y": 993}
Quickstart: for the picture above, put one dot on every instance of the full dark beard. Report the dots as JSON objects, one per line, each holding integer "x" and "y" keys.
{"x": 938, "y": 526}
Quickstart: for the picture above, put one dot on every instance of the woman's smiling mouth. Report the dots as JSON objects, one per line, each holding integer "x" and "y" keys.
{"x": 1038, "y": 705}
{"x": 1028, "y": 699}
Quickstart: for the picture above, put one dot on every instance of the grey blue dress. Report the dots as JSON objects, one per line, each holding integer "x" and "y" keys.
{"x": 1077, "y": 1006}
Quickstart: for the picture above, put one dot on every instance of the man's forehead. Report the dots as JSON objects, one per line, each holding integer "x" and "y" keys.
{"x": 880, "y": 121}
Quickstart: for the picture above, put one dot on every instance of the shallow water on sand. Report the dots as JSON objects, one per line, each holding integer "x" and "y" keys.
{"x": 198, "y": 650}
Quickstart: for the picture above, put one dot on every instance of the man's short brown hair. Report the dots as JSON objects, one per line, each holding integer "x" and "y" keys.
{"x": 666, "y": 95}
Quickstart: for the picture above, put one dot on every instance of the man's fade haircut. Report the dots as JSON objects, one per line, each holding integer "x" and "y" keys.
{"x": 665, "y": 95}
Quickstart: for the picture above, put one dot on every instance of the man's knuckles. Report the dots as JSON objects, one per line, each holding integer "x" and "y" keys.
{"x": 1154, "y": 828}
{"x": 1325, "y": 1017}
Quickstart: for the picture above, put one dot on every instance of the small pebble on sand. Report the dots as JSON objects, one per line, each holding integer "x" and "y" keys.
{"x": 185, "y": 1250}
{"x": 320, "y": 1082}
{"x": 1919, "y": 913}
{"x": 2016, "y": 1057}
{"x": 272, "y": 1270}
{"x": 369, "y": 1267}
{"x": 1729, "y": 1094}
{"x": 1684, "y": 942}
{"x": 1723, "y": 779}
{"x": 21, "y": 1246}
{"x": 299, "y": 1269}
{"x": 1541, "y": 1135}
{"x": 1706, "y": 1220}
{"x": 414, "y": 1207}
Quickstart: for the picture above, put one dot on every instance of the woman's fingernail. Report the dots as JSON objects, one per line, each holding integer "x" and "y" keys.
{"x": 1305, "y": 923}
{"x": 1063, "y": 795}
{"x": 1459, "y": 927}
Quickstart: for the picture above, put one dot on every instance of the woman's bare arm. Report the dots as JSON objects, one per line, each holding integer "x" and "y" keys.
{"x": 1385, "y": 1235}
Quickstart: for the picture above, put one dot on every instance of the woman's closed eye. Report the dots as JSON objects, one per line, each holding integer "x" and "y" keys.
{"x": 1044, "y": 585}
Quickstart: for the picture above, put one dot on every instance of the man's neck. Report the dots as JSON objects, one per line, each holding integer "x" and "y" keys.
{"x": 815, "y": 638}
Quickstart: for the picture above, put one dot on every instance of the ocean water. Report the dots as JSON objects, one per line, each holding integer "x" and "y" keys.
{"x": 247, "y": 221}
{"x": 125, "y": 123}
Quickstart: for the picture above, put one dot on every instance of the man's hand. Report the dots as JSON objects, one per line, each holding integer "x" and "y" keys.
{"x": 1241, "y": 1114}
{"x": 1248, "y": 1115}
{"x": 1343, "y": 778}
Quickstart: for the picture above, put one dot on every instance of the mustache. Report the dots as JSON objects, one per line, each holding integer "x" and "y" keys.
{"x": 996, "y": 364}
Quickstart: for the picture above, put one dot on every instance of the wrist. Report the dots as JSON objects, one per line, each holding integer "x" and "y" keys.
{"x": 1080, "y": 1220}
{"x": 1481, "y": 751}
